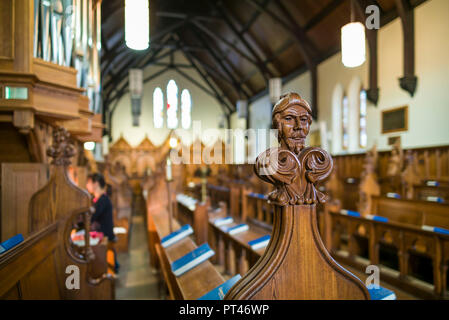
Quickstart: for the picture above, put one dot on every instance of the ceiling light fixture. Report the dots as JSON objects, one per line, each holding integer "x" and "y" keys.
{"x": 137, "y": 24}
{"x": 353, "y": 42}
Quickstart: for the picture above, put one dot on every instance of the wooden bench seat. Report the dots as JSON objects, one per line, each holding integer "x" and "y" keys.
{"x": 194, "y": 283}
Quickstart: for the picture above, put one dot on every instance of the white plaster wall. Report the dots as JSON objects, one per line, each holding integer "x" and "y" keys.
{"x": 428, "y": 109}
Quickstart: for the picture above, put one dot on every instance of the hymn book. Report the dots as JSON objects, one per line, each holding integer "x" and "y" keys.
{"x": 192, "y": 259}
{"x": 259, "y": 243}
{"x": 435, "y": 229}
{"x": 219, "y": 292}
{"x": 236, "y": 229}
{"x": 176, "y": 236}
{"x": 376, "y": 218}
{"x": 11, "y": 243}
{"x": 223, "y": 221}
{"x": 350, "y": 213}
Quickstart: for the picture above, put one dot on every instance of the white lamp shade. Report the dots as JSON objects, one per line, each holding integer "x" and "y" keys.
{"x": 136, "y": 82}
{"x": 353, "y": 44}
{"x": 89, "y": 145}
{"x": 137, "y": 24}
{"x": 242, "y": 108}
{"x": 275, "y": 88}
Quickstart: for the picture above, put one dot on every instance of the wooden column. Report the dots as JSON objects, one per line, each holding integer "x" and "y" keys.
{"x": 409, "y": 81}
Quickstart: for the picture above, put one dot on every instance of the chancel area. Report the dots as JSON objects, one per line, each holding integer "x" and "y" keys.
{"x": 224, "y": 150}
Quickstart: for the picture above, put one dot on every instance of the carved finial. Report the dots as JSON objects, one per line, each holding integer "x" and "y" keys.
{"x": 62, "y": 148}
{"x": 292, "y": 168}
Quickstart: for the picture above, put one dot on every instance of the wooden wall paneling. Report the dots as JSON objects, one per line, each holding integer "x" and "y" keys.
{"x": 19, "y": 182}
{"x": 13, "y": 145}
{"x": 7, "y": 27}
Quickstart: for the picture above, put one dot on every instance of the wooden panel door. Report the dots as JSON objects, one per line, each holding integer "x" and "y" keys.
{"x": 19, "y": 181}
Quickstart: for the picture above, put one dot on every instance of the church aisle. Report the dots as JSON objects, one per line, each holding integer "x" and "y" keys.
{"x": 135, "y": 279}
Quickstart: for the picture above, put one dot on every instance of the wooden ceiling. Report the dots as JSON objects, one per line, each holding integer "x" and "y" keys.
{"x": 235, "y": 45}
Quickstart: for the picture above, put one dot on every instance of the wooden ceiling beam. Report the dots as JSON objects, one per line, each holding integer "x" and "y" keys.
{"x": 187, "y": 16}
{"x": 124, "y": 90}
{"x": 320, "y": 16}
{"x": 309, "y": 53}
{"x": 108, "y": 88}
{"x": 119, "y": 75}
{"x": 253, "y": 18}
{"x": 212, "y": 70}
{"x": 210, "y": 93}
{"x": 205, "y": 76}
{"x": 228, "y": 17}
{"x": 219, "y": 61}
{"x": 225, "y": 41}
{"x": 121, "y": 47}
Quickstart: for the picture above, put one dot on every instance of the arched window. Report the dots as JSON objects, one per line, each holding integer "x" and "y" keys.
{"x": 186, "y": 109}
{"x": 172, "y": 105}
{"x": 345, "y": 122}
{"x": 158, "y": 108}
{"x": 362, "y": 119}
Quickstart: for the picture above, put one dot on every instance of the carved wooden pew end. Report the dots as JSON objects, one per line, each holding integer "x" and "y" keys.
{"x": 295, "y": 265}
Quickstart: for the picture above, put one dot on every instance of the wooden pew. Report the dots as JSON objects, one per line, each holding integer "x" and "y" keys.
{"x": 122, "y": 202}
{"x": 37, "y": 267}
{"x": 343, "y": 240}
{"x": 436, "y": 189}
{"x": 233, "y": 251}
{"x": 415, "y": 212}
{"x": 256, "y": 209}
{"x": 194, "y": 283}
{"x": 28, "y": 270}
{"x": 195, "y": 214}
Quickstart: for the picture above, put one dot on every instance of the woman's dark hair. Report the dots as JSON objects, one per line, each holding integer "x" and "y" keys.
{"x": 109, "y": 190}
{"x": 98, "y": 177}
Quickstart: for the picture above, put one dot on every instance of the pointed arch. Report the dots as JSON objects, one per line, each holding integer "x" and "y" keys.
{"x": 158, "y": 108}
{"x": 186, "y": 109}
{"x": 172, "y": 105}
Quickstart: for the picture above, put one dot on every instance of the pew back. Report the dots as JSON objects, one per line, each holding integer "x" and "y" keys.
{"x": 415, "y": 212}
{"x": 19, "y": 181}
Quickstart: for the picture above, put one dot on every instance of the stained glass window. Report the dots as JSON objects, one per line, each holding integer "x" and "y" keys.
{"x": 172, "y": 105}
{"x": 158, "y": 108}
{"x": 362, "y": 119}
{"x": 186, "y": 109}
{"x": 345, "y": 122}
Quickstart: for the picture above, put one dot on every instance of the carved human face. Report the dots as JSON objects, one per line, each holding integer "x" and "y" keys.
{"x": 294, "y": 126}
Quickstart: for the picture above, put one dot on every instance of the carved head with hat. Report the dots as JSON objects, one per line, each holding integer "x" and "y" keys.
{"x": 292, "y": 116}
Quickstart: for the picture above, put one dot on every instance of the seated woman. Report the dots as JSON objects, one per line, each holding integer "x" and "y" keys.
{"x": 102, "y": 219}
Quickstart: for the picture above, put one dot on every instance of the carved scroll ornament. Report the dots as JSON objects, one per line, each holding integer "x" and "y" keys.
{"x": 294, "y": 178}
